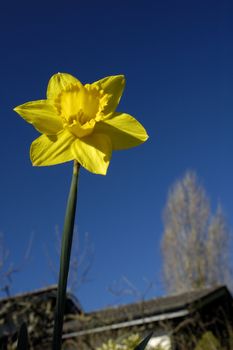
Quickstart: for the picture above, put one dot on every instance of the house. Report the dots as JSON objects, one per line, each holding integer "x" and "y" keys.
{"x": 36, "y": 309}
{"x": 177, "y": 321}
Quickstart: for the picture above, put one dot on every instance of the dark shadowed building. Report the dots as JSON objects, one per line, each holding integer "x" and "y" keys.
{"x": 36, "y": 309}
{"x": 176, "y": 321}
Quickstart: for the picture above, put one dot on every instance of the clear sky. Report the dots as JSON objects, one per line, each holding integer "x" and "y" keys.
{"x": 177, "y": 57}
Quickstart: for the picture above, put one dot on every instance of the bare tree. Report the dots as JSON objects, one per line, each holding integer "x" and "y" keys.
{"x": 7, "y": 268}
{"x": 80, "y": 263}
{"x": 195, "y": 243}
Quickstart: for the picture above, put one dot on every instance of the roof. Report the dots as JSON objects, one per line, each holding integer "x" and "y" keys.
{"x": 162, "y": 304}
{"x": 153, "y": 306}
{"x": 163, "y": 308}
{"x": 72, "y": 303}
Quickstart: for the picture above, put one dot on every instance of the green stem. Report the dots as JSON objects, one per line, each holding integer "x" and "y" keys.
{"x": 65, "y": 259}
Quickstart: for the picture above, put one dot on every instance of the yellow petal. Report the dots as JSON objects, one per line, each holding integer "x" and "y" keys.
{"x": 59, "y": 82}
{"x": 51, "y": 150}
{"x": 114, "y": 87}
{"x": 123, "y": 130}
{"x": 93, "y": 152}
{"x": 42, "y": 115}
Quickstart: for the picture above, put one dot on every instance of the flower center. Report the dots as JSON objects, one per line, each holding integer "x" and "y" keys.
{"x": 80, "y": 107}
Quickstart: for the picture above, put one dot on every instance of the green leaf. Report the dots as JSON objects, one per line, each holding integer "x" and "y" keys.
{"x": 23, "y": 338}
{"x": 144, "y": 342}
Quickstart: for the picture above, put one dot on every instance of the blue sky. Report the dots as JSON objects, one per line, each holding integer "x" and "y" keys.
{"x": 177, "y": 58}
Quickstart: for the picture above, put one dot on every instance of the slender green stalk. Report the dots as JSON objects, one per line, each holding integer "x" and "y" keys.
{"x": 23, "y": 338}
{"x": 67, "y": 237}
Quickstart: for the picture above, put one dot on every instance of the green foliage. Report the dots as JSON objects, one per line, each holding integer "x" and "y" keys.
{"x": 208, "y": 342}
{"x": 127, "y": 343}
{"x": 132, "y": 342}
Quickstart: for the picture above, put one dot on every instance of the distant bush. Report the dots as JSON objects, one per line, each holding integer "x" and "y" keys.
{"x": 128, "y": 343}
{"x": 208, "y": 342}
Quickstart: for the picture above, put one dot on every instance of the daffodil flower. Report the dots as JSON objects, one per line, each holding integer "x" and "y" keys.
{"x": 79, "y": 122}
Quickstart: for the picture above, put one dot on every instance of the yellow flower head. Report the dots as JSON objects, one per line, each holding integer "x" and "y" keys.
{"x": 80, "y": 122}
